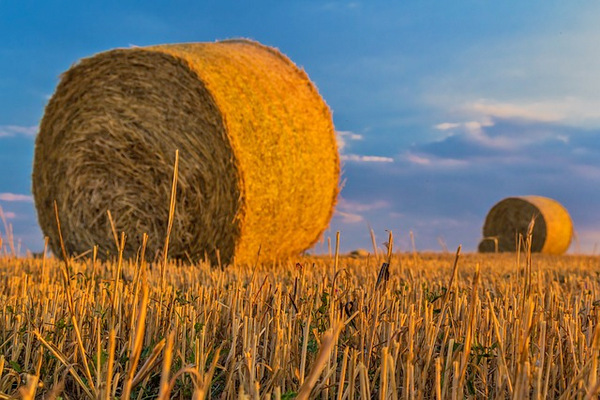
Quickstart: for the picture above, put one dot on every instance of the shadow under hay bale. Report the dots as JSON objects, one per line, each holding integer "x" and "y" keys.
{"x": 258, "y": 166}
{"x": 510, "y": 217}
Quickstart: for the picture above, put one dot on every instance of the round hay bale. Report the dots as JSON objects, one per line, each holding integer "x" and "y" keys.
{"x": 510, "y": 217}
{"x": 359, "y": 253}
{"x": 258, "y": 165}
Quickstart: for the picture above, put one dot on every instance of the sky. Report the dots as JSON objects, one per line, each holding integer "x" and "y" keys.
{"x": 441, "y": 108}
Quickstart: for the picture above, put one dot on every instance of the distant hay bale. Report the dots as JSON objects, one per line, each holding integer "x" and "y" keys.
{"x": 552, "y": 231}
{"x": 359, "y": 253}
{"x": 258, "y": 167}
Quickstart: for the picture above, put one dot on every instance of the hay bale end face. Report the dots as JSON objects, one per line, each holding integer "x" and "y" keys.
{"x": 258, "y": 167}
{"x": 510, "y": 217}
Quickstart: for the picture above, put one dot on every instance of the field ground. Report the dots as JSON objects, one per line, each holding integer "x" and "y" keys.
{"x": 502, "y": 328}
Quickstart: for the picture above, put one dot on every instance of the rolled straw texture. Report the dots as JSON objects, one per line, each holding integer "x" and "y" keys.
{"x": 258, "y": 167}
{"x": 510, "y": 217}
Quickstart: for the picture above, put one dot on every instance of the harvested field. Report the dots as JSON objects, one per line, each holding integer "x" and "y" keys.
{"x": 503, "y": 326}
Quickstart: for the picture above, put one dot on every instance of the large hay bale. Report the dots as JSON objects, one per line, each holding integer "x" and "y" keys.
{"x": 258, "y": 158}
{"x": 510, "y": 217}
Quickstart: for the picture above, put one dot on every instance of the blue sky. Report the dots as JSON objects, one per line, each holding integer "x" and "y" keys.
{"x": 442, "y": 108}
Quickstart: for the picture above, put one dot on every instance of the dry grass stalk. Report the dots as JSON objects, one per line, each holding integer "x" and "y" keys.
{"x": 172, "y": 202}
{"x": 138, "y": 341}
{"x": 9, "y": 235}
{"x": 328, "y": 342}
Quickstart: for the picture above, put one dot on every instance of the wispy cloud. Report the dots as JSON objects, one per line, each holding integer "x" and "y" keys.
{"x": 349, "y": 218}
{"x": 542, "y": 111}
{"x": 428, "y": 160}
{"x": 16, "y": 197}
{"x": 343, "y": 137}
{"x": 475, "y": 131}
{"x": 15, "y": 130}
{"x": 359, "y": 158}
{"x": 501, "y": 134}
{"x": 548, "y": 75}
{"x": 575, "y": 111}
{"x": 351, "y": 212}
{"x": 356, "y": 206}
{"x": 444, "y": 126}
{"x": 471, "y": 126}
{"x": 417, "y": 159}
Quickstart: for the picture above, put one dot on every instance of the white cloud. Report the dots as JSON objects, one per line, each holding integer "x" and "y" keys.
{"x": 10, "y": 215}
{"x": 575, "y": 111}
{"x": 546, "y": 111}
{"x": 474, "y": 129}
{"x": 545, "y": 74}
{"x": 359, "y": 158}
{"x": 432, "y": 161}
{"x": 419, "y": 160}
{"x": 356, "y": 207}
{"x": 14, "y": 130}
{"x": 343, "y": 137}
{"x": 351, "y": 211}
{"x": 484, "y": 116}
{"x": 16, "y": 197}
{"x": 349, "y": 218}
{"x": 579, "y": 111}
{"x": 350, "y": 135}
{"x": 445, "y": 126}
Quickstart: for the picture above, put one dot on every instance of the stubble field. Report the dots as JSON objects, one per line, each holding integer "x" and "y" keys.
{"x": 435, "y": 326}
